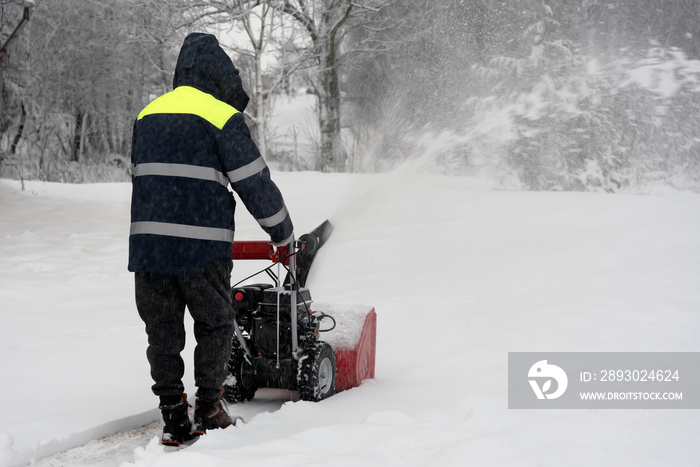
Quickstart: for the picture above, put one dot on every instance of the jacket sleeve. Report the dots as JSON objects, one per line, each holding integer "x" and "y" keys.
{"x": 250, "y": 179}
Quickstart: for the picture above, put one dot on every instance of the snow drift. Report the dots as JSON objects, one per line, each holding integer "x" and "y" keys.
{"x": 459, "y": 276}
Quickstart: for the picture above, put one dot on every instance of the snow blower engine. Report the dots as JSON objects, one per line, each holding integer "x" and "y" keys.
{"x": 281, "y": 343}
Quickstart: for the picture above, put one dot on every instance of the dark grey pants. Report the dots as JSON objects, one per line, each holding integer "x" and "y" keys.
{"x": 161, "y": 301}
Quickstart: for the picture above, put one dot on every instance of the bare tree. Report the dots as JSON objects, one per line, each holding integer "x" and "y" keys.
{"x": 5, "y": 44}
{"x": 325, "y": 24}
{"x": 267, "y": 31}
{"x": 87, "y": 68}
{"x": 256, "y": 23}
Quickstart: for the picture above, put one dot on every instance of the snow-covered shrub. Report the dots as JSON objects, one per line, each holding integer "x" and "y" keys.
{"x": 669, "y": 152}
{"x": 577, "y": 125}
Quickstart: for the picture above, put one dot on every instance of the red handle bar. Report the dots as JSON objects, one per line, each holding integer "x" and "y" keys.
{"x": 258, "y": 249}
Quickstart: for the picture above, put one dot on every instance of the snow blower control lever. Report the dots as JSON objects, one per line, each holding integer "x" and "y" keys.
{"x": 278, "y": 343}
{"x": 305, "y": 248}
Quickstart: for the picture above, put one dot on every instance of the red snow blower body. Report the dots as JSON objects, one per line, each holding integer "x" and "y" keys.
{"x": 281, "y": 342}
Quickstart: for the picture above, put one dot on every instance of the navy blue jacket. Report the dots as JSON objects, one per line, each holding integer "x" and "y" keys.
{"x": 188, "y": 146}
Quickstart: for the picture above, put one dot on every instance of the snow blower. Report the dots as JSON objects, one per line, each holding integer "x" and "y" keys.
{"x": 281, "y": 343}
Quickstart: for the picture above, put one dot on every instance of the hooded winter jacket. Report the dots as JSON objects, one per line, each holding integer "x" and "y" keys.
{"x": 188, "y": 146}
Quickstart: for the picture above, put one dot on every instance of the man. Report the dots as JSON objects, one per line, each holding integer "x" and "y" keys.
{"x": 188, "y": 146}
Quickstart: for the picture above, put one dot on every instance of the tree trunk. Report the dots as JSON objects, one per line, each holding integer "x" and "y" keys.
{"x": 333, "y": 155}
{"x": 20, "y": 130}
{"x": 77, "y": 136}
{"x": 260, "y": 105}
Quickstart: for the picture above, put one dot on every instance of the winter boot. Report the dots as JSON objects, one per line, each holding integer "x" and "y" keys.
{"x": 209, "y": 415}
{"x": 178, "y": 428}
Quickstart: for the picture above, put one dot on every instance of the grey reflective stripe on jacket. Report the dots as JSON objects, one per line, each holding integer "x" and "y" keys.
{"x": 274, "y": 219}
{"x": 200, "y": 173}
{"x": 182, "y": 230}
{"x": 247, "y": 170}
{"x": 180, "y": 170}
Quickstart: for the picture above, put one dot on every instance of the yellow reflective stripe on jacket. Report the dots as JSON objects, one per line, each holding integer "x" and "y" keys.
{"x": 189, "y": 100}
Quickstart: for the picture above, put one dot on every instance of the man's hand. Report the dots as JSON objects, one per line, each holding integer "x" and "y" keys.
{"x": 283, "y": 250}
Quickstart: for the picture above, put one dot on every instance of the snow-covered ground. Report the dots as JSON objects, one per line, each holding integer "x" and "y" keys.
{"x": 459, "y": 275}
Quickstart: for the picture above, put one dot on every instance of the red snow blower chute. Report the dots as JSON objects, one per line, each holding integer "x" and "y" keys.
{"x": 281, "y": 342}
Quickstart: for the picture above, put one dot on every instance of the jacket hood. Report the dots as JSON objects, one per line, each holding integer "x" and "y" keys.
{"x": 204, "y": 65}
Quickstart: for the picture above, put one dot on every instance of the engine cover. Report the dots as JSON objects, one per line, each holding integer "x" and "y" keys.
{"x": 264, "y": 329}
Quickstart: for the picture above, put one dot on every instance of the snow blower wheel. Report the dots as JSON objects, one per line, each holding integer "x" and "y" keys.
{"x": 317, "y": 373}
{"x": 237, "y": 388}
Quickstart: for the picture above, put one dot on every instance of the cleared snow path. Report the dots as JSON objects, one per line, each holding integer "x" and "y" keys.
{"x": 108, "y": 451}
{"x": 133, "y": 445}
